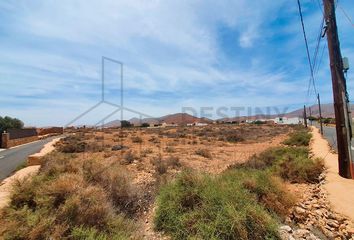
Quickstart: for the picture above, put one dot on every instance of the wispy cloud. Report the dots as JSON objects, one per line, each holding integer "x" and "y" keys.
{"x": 176, "y": 53}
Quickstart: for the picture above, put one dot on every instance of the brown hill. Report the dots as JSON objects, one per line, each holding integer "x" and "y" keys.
{"x": 177, "y": 118}
{"x": 184, "y": 118}
{"x": 327, "y": 111}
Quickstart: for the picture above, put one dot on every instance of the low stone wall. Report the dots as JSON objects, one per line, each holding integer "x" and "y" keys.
{"x": 7, "y": 142}
{"x": 36, "y": 159}
{"x": 51, "y": 130}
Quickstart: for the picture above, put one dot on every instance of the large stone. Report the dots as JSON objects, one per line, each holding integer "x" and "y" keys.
{"x": 332, "y": 223}
{"x": 300, "y": 233}
{"x": 285, "y": 228}
{"x": 118, "y": 147}
{"x": 300, "y": 210}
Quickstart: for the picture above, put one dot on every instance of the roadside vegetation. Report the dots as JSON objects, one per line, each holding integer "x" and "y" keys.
{"x": 247, "y": 201}
{"x": 299, "y": 138}
{"x": 94, "y": 188}
{"x": 72, "y": 199}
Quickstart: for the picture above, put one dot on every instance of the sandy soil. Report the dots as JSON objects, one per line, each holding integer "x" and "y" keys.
{"x": 340, "y": 190}
{"x": 6, "y": 185}
{"x": 47, "y": 148}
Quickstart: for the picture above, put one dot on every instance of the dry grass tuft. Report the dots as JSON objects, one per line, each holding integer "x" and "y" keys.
{"x": 72, "y": 199}
{"x": 204, "y": 153}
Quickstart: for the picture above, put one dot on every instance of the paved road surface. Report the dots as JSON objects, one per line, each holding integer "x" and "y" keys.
{"x": 330, "y": 134}
{"x": 10, "y": 159}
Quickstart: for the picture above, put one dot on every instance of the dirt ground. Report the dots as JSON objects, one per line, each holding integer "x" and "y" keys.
{"x": 209, "y": 149}
{"x": 340, "y": 190}
{"x": 153, "y": 156}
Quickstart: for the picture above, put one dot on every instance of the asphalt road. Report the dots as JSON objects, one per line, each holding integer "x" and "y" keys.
{"x": 330, "y": 134}
{"x": 11, "y": 158}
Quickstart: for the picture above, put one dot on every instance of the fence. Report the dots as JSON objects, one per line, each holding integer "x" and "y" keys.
{"x": 14, "y": 137}
{"x": 22, "y": 133}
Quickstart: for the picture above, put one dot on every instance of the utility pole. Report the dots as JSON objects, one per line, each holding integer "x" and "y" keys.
{"x": 320, "y": 112}
{"x": 305, "y": 117}
{"x": 339, "y": 92}
{"x": 310, "y": 116}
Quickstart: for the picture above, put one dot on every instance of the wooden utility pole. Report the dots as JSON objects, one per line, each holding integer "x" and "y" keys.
{"x": 339, "y": 92}
{"x": 305, "y": 117}
{"x": 320, "y": 112}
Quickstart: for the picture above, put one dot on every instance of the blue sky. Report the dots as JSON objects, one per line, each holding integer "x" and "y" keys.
{"x": 176, "y": 54}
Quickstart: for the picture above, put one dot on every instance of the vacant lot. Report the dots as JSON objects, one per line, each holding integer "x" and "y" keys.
{"x": 124, "y": 169}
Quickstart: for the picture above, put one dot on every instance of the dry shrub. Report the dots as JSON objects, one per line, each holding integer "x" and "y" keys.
{"x": 174, "y": 162}
{"x": 95, "y": 147}
{"x": 145, "y": 152}
{"x": 300, "y": 170}
{"x": 77, "y": 144}
{"x": 99, "y": 138}
{"x": 160, "y": 165}
{"x": 170, "y": 149}
{"x": 129, "y": 157}
{"x": 24, "y": 192}
{"x": 57, "y": 163}
{"x": 271, "y": 192}
{"x": 234, "y": 138}
{"x": 155, "y": 140}
{"x": 88, "y": 207}
{"x": 203, "y": 152}
{"x": 61, "y": 199}
{"x": 57, "y": 191}
{"x": 137, "y": 139}
{"x": 117, "y": 184}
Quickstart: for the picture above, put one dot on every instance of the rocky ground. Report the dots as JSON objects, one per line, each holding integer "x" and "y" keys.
{"x": 313, "y": 218}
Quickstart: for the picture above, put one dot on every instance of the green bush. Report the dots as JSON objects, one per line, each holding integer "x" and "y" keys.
{"x": 229, "y": 206}
{"x": 290, "y": 163}
{"x": 299, "y": 138}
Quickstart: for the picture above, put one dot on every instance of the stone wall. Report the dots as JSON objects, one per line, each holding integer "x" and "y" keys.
{"x": 7, "y": 142}
{"x": 51, "y": 130}
{"x": 21, "y": 133}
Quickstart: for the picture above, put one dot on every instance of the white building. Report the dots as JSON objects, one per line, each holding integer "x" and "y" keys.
{"x": 285, "y": 120}
{"x": 198, "y": 124}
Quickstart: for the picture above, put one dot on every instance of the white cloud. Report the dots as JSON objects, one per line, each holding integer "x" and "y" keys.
{"x": 167, "y": 46}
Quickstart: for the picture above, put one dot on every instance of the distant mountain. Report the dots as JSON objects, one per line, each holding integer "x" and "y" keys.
{"x": 177, "y": 118}
{"x": 327, "y": 112}
{"x": 184, "y": 118}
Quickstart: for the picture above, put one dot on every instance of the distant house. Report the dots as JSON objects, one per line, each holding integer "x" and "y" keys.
{"x": 285, "y": 120}
{"x": 198, "y": 124}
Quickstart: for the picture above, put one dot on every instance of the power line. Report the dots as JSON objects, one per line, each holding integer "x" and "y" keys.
{"x": 307, "y": 47}
{"x": 346, "y": 15}
{"x": 315, "y": 55}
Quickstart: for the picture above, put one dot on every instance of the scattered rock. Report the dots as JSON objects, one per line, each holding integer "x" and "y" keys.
{"x": 314, "y": 218}
{"x": 119, "y": 147}
{"x": 285, "y": 228}
{"x": 300, "y": 210}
